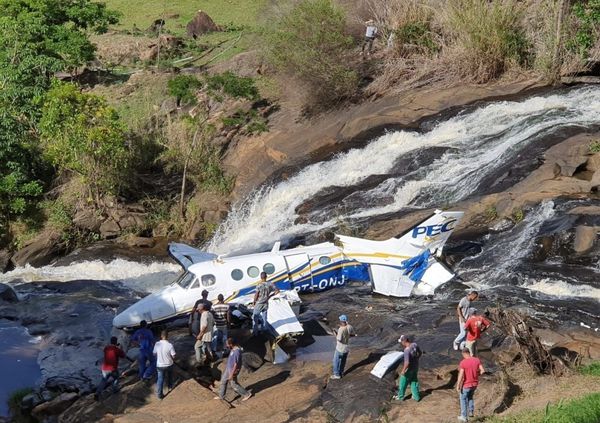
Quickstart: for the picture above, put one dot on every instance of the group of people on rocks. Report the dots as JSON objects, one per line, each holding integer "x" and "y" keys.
{"x": 208, "y": 324}
{"x": 471, "y": 326}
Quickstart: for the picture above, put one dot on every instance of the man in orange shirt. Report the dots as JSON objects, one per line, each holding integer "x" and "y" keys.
{"x": 474, "y": 326}
{"x": 469, "y": 370}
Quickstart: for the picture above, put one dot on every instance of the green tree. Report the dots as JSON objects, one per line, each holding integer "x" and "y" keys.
{"x": 81, "y": 133}
{"x": 310, "y": 43}
{"x": 183, "y": 88}
{"x": 37, "y": 39}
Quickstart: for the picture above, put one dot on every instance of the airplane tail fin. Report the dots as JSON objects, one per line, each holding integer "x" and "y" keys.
{"x": 432, "y": 233}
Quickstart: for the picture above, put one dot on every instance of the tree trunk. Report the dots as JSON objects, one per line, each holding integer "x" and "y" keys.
{"x": 184, "y": 176}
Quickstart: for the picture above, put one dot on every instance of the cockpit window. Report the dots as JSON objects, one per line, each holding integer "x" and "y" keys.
{"x": 253, "y": 271}
{"x": 237, "y": 274}
{"x": 208, "y": 280}
{"x": 269, "y": 268}
{"x": 185, "y": 279}
{"x": 195, "y": 284}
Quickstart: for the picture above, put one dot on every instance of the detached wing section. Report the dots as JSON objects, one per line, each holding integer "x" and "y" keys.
{"x": 186, "y": 255}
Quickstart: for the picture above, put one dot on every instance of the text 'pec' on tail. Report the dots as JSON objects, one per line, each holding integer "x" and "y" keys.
{"x": 433, "y": 232}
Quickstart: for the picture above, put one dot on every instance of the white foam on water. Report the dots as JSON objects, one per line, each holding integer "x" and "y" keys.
{"x": 478, "y": 142}
{"x": 557, "y": 288}
{"x": 129, "y": 272}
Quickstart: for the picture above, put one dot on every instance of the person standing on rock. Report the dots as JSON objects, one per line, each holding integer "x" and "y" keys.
{"x": 204, "y": 300}
{"x": 469, "y": 370}
{"x": 110, "y": 367}
{"x": 475, "y": 326}
{"x": 410, "y": 369}
{"x": 231, "y": 372}
{"x": 164, "y": 352}
{"x": 462, "y": 310}
{"x": 264, "y": 291}
{"x": 344, "y": 332}
{"x": 220, "y": 312}
{"x": 144, "y": 339}
{"x": 204, "y": 338}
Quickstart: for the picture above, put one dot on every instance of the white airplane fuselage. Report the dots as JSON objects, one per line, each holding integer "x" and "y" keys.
{"x": 303, "y": 269}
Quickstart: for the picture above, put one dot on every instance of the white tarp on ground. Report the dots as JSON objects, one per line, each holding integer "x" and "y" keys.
{"x": 386, "y": 362}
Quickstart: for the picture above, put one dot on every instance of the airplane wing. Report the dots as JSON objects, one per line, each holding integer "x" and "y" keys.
{"x": 186, "y": 255}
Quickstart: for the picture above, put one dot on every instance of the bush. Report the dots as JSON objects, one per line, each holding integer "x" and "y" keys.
{"x": 594, "y": 146}
{"x": 417, "y": 36}
{"x": 232, "y": 85}
{"x": 183, "y": 88}
{"x": 588, "y": 22}
{"x": 310, "y": 43}
{"x": 489, "y": 36}
{"x": 81, "y": 133}
{"x": 14, "y": 406}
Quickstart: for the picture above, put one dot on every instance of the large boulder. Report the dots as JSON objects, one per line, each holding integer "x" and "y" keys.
{"x": 585, "y": 236}
{"x": 201, "y": 24}
{"x": 8, "y": 294}
{"x": 40, "y": 251}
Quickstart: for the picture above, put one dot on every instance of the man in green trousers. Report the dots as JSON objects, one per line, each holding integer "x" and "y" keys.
{"x": 408, "y": 375}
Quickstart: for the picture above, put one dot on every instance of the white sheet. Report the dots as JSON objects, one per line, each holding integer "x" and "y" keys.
{"x": 386, "y": 362}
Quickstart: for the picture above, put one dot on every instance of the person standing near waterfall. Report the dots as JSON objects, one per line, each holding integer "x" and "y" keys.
{"x": 469, "y": 370}
{"x": 264, "y": 291}
{"x": 370, "y": 34}
{"x": 462, "y": 311}
{"x": 342, "y": 337}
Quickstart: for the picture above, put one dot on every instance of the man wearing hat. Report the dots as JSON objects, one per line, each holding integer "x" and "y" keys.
{"x": 344, "y": 332}
{"x": 370, "y": 34}
{"x": 410, "y": 369}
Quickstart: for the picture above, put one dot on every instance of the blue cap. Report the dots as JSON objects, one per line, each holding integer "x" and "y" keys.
{"x": 343, "y": 318}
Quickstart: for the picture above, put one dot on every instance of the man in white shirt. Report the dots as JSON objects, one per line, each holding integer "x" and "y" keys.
{"x": 342, "y": 337}
{"x": 370, "y": 34}
{"x": 204, "y": 339}
{"x": 164, "y": 353}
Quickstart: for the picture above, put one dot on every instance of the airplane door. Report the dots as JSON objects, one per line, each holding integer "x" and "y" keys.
{"x": 299, "y": 272}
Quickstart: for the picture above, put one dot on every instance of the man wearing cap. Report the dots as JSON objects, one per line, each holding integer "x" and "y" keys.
{"x": 410, "y": 369}
{"x": 469, "y": 370}
{"x": 462, "y": 311}
{"x": 474, "y": 326}
{"x": 370, "y": 34}
{"x": 264, "y": 291}
{"x": 344, "y": 332}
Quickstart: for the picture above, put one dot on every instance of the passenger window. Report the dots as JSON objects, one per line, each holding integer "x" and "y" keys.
{"x": 269, "y": 268}
{"x": 324, "y": 260}
{"x": 253, "y": 271}
{"x": 237, "y": 274}
{"x": 208, "y": 280}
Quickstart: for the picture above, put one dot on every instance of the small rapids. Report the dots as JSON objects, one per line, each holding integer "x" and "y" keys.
{"x": 469, "y": 152}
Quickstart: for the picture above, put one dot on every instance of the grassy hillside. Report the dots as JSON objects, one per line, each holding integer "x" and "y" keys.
{"x": 178, "y": 13}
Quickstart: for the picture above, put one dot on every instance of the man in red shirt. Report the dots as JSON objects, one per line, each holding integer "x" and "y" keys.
{"x": 110, "y": 367}
{"x": 475, "y": 326}
{"x": 469, "y": 370}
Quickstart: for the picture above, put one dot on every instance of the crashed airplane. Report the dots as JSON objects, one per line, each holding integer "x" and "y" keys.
{"x": 395, "y": 267}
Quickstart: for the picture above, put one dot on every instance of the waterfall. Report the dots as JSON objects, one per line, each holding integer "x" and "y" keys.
{"x": 476, "y": 144}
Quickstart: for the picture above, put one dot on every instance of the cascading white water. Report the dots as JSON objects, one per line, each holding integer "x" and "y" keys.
{"x": 144, "y": 277}
{"x": 479, "y": 142}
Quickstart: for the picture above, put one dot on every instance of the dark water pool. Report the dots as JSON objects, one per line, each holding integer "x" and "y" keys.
{"x": 18, "y": 361}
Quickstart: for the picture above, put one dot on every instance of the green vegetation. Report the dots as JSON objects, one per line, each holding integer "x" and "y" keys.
{"x": 82, "y": 134}
{"x": 581, "y": 410}
{"x": 310, "y": 43}
{"x": 14, "y": 406}
{"x": 37, "y": 39}
{"x": 183, "y": 88}
{"x": 417, "y": 35}
{"x": 518, "y": 215}
{"x": 587, "y": 34}
{"x": 230, "y": 84}
{"x": 491, "y": 213}
{"x": 591, "y": 369}
{"x": 489, "y": 36}
{"x": 594, "y": 146}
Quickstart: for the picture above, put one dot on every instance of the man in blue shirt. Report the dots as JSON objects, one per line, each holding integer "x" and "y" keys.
{"x": 230, "y": 374}
{"x": 144, "y": 339}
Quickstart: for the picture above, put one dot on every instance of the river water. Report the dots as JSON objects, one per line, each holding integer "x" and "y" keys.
{"x": 450, "y": 159}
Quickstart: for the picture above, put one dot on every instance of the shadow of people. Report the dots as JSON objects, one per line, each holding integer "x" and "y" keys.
{"x": 269, "y": 382}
